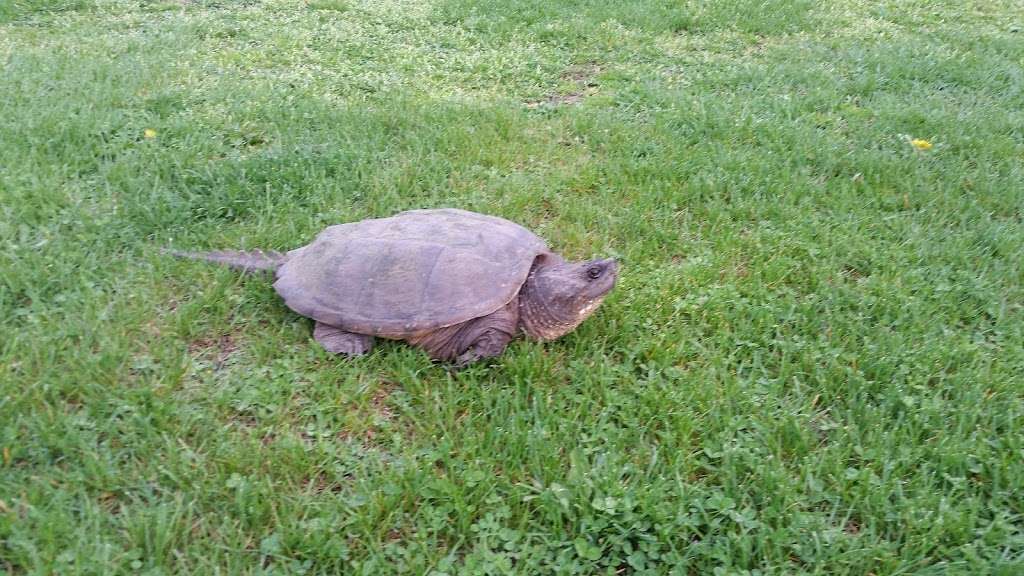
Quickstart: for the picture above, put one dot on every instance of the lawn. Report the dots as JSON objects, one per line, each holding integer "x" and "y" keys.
{"x": 813, "y": 362}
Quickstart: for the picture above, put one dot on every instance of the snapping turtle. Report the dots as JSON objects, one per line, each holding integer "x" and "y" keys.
{"x": 458, "y": 284}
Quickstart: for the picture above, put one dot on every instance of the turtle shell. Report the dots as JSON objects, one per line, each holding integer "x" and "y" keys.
{"x": 416, "y": 271}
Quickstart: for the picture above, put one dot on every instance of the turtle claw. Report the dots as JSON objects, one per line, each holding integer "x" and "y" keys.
{"x": 489, "y": 345}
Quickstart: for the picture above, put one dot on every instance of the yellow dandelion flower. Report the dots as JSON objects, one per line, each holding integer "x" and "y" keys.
{"x": 920, "y": 144}
{"x": 150, "y": 133}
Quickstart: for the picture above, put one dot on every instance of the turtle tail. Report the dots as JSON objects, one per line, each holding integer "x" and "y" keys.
{"x": 244, "y": 260}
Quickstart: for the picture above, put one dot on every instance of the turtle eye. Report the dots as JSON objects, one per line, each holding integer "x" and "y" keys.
{"x": 594, "y": 272}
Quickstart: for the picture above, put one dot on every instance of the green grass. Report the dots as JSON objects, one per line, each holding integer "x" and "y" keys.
{"x": 813, "y": 363}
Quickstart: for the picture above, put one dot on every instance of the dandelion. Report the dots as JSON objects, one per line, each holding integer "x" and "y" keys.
{"x": 149, "y": 133}
{"x": 922, "y": 145}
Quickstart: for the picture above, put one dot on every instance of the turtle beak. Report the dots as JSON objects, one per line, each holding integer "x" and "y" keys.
{"x": 612, "y": 266}
{"x": 612, "y": 270}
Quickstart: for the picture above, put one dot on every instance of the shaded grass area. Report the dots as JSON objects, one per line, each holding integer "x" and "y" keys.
{"x": 813, "y": 362}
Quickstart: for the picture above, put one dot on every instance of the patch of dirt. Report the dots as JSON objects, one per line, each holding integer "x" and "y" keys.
{"x": 557, "y": 100}
{"x": 380, "y": 411}
{"x": 267, "y": 438}
{"x": 740, "y": 269}
{"x": 216, "y": 348}
{"x": 379, "y": 401}
{"x": 583, "y": 76}
{"x": 322, "y": 484}
{"x": 853, "y": 272}
{"x": 110, "y": 503}
{"x": 757, "y": 47}
{"x": 737, "y": 269}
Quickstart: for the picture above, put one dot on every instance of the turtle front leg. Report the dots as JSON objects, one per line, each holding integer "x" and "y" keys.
{"x": 490, "y": 343}
{"x": 338, "y": 341}
{"x": 463, "y": 344}
{"x": 487, "y": 336}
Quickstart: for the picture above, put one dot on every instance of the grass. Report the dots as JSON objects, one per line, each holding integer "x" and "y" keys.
{"x": 813, "y": 363}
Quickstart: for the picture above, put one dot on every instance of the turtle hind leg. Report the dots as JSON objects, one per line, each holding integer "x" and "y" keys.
{"x": 338, "y": 341}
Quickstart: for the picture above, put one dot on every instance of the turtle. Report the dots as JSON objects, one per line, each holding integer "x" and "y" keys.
{"x": 458, "y": 284}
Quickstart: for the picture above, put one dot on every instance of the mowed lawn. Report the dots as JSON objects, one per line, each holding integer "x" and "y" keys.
{"x": 813, "y": 362}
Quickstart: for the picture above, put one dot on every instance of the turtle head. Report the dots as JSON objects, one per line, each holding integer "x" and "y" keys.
{"x": 559, "y": 295}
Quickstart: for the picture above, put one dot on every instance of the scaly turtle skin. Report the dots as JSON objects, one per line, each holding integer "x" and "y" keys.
{"x": 458, "y": 284}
